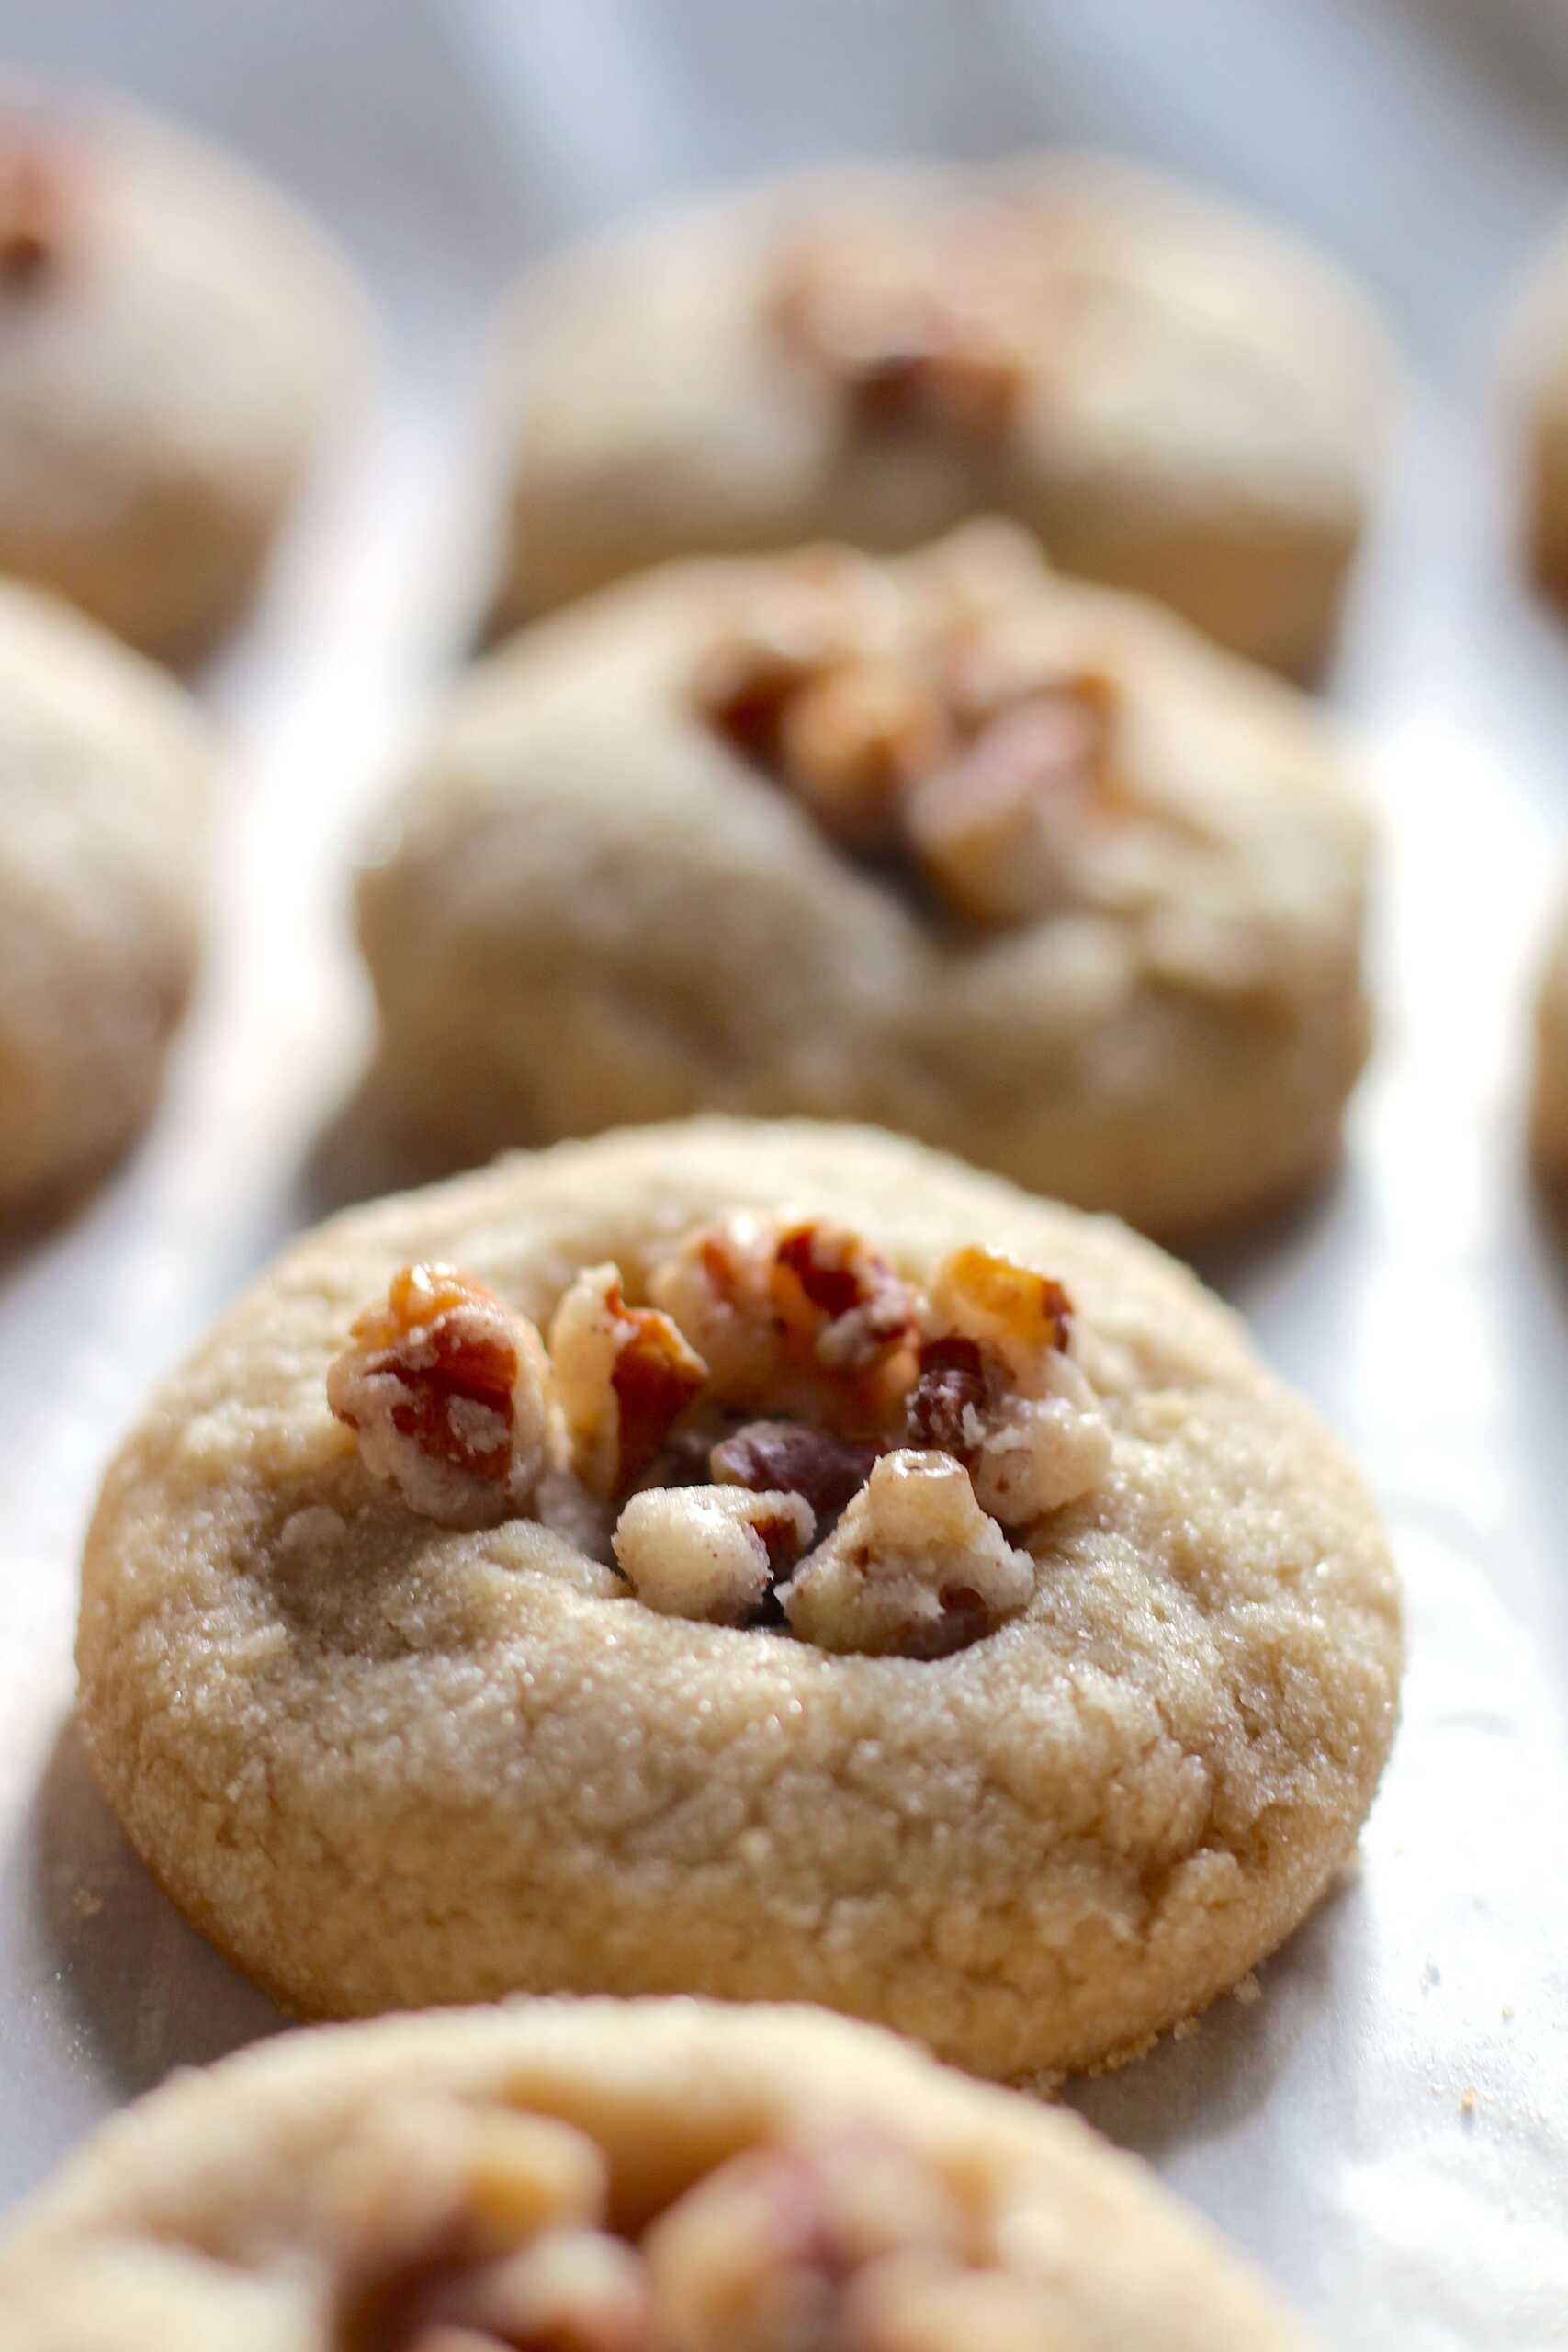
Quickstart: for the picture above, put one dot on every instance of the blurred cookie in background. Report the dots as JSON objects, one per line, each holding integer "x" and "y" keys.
{"x": 1548, "y": 1104}
{"x": 1537, "y": 349}
{"x": 174, "y": 338}
{"x": 103, "y": 768}
{"x": 1024, "y": 868}
{"x": 608, "y": 2176}
{"x": 1177, "y": 398}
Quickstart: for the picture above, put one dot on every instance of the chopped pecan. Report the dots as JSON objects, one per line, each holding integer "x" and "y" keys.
{"x": 997, "y": 828}
{"x": 34, "y": 205}
{"x": 625, "y": 1374}
{"x": 1038, "y": 1453}
{"x": 448, "y": 1393}
{"x": 1035, "y": 1438}
{"x": 800, "y": 1320}
{"x": 712, "y": 1552}
{"x": 715, "y": 1284}
{"x": 1021, "y": 1314}
{"x": 966, "y": 376}
{"x": 523, "y": 2173}
{"x": 813, "y": 611}
{"x": 915, "y": 1568}
{"x": 788, "y": 1457}
{"x": 654, "y": 1378}
{"x": 923, "y": 331}
{"x": 840, "y": 1301}
{"x": 852, "y": 740}
{"x": 943, "y": 1406}
{"x": 759, "y": 2254}
{"x": 431, "y": 2193}
{"x": 570, "y": 2291}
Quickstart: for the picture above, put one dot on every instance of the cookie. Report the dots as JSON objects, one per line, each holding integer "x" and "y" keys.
{"x": 1178, "y": 400}
{"x": 1535, "y": 362}
{"x": 615, "y": 2176}
{"x": 1024, "y": 868}
{"x": 1549, "y": 1106}
{"x": 104, "y": 766}
{"x": 173, "y": 339}
{"x": 773, "y": 1562}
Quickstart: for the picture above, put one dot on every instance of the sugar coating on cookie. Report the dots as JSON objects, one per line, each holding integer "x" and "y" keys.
{"x": 1176, "y": 399}
{"x": 174, "y": 339}
{"x": 646, "y": 2177}
{"x": 1021, "y": 867}
{"x": 1025, "y": 1705}
{"x": 104, "y": 770}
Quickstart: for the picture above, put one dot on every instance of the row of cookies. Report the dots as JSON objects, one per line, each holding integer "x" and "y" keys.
{"x": 945, "y": 843}
{"x": 746, "y": 1558}
{"x": 1176, "y": 399}
{"x": 1021, "y": 867}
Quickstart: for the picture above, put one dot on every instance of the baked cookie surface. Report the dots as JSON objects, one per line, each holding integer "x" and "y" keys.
{"x": 1029, "y": 1745}
{"x": 1535, "y": 362}
{"x": 174, "y": 340}
{"x": 1549, "y": 1104}
{"x": 103, "y": 769}
{"x": 1020, "y": 867}
{"x": 668, "y": 2175}
{"x": 1175, "y": 398}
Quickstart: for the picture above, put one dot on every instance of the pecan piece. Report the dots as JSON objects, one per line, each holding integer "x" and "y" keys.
{"x": 712, "y": 1552}
{"x": 952, "y": 375}
{"x": 913, "y": 1569}
{"x": 759, "y": 2254}
{"x": 840, "y": 1299}
{"x": 1036, "y": 1439}
{"x": 448, "y": 1394}
{"x": 570, "y": 2291}
{"x": 811, "y": 612}
{"x": 788, "y": 1457}
{"x": 432, "y": 2192}
{"x": 943, "y": 1407}
{"x": 912, "y": 333}
{"x": 1020, "y": 1315}
{"x": 625, "y": 1374}
{"x": 852, "y": 740}
{"x": 715, "y": 1284}
{"x": 34, "y": 205}
{"x": 997, "y": 828}
{"x": 801, "y": 1320}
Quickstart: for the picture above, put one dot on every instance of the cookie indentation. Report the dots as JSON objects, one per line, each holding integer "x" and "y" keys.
{"x": 940, "y": 336}
{"x": 978, "y": 778}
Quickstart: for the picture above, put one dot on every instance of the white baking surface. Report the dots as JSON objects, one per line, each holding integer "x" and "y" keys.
{"x": 1386, "y": 2128}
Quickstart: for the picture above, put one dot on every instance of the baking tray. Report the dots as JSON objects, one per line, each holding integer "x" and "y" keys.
{"x": 1381, "y": 2121}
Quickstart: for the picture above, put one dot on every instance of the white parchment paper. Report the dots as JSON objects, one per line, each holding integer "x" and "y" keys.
{"x": 1386, "y": 2127}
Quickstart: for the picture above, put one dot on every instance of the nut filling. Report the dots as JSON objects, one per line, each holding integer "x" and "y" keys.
{"x": 464, "y": 2231}
{"x": 941, "y": 333}
{"x": 789, "y": 1434}
{"x": 35, "y": 206}
{"x": 977, "y": 778}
